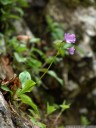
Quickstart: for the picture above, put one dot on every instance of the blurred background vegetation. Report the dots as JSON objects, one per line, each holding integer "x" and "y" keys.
{"x": 29, "y": 30}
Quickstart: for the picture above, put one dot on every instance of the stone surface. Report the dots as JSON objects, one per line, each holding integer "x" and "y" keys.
{"x": 5, "y": 115}
{"x": 81, "y": 21}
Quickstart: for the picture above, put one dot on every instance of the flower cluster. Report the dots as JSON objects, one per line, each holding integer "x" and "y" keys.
{"x": 70, "y": 38}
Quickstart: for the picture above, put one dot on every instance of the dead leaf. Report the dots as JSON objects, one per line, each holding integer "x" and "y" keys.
{"x": 5, "y": 62}
{"x": 23, "y": 38}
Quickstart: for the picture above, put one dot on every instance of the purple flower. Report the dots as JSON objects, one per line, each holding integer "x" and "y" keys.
{"x": 70, "y": 38}
{"x": 71, "y": 50}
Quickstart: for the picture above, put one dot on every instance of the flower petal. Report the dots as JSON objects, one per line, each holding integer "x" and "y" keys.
{"x": 71, "y": 50}
{"x": 69, "y": 38}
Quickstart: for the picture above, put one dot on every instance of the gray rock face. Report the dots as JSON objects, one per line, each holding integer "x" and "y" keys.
{"x": 81, "y": 21}
{"x": 5, "y": 115}
{"x": 9, "y": 119}
{"x": 88, "y": 19}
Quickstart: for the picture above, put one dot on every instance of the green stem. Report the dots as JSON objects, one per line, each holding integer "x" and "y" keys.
{"x": 58, "y": 116}
{"x": 50, "y": 63}
{"x": 49, "y": 66}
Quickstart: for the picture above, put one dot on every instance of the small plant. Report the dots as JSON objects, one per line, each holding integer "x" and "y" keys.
{"x": 26, "y": 57}
{"x": 27, "y": 86}
{"x": 52, "y": 108}
{"x": 20, "y": 94}
{"x": 84, "y": 120}
{"x": 55, "y": 29}
{"x": 9, "y": 10}
{"x": 37, "y": 123}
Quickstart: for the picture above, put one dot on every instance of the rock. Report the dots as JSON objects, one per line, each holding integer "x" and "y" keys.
{"x": 2, "y": 45}
{"x": 23, "y": 28}
{"x": 10, "y": 119}
{"x": 87, "y": 17}
{"x": 94, "y": 65}
{"x": 5, "y": 115}
{"x": 85, "y": 49}
{"x": 72, "y": 86}
{"x": 80, "y": 21}
{"x": 94, "y": 92}
{"x": 83, "y": 111}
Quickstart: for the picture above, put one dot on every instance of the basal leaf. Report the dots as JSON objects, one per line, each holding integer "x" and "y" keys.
{"x": 53, "y": 74}
{"x": 27, "y": 87}
{"x": 19, "y": 58}
{"x": 50, "y": 109}
{"x": 34, "y": 63}
{"x": 24, "y": 76}
{"x": 5, "y": 88}
{"x": 65, "y": 106}
{"x": 27, "y": 100}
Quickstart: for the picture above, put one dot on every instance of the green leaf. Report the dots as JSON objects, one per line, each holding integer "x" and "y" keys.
{"x": 55, "y": 28}
{"x": 19, "y": 10}
{"x": 35, "y": 122}
{"x": 27, "y": 100}
{"x": 2, "y": 11}
{"x": 11, "y": 16}
{"x": 5, "y": 88}
{"x": 39, "y": 52}
{"x": 27, "y": 87}
{"x": 23, "y": 3}
{"x": 34, "y": 63}
{"x": 41, "y": 125}
{"x": 19, "y": 58}
{"x": 34, "y": 114}
{"x": 20, "y": 48}
{"x": 34, "y": 40}
{"x": 53, "y": 74}
{"x": 84, "y": 120}
{"x": 58, "y": 44}
{"x": 65, "y": 106}
{"x": 6, "y": 2}
{"x": 62, "y": 51}
{"x": 59, "y": 33}
{"x": 67, "y": 45}
{"x": 50, "y": 109}
{"x": 24, "y": 76}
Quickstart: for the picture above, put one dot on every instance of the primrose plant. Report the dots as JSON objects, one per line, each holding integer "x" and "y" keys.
{"x": 63, "y": 47}
{"x": 27, "y": 84}
{"x": 52, "y": 108}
